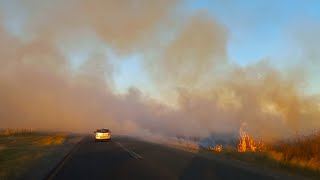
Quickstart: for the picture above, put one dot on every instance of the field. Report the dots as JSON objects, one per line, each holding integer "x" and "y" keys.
{"x": 24, "y": 149}
{"x": 300, "y": 154}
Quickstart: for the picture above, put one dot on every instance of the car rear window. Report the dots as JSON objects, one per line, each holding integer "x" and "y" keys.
{"x": 103, "y": 130}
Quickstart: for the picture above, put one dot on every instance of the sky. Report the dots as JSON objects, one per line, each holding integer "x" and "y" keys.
{"x": 161, "y": 67}
{"x": 260, "y": 29}
{"x": 257, "y": 30}
{"x": 265, "y": 30}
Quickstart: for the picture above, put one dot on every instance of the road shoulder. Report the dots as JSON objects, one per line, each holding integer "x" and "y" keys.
{"x": 40, "y": 168}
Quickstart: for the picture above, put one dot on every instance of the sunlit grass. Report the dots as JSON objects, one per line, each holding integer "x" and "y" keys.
{"x": 19, "y": 149}
{"x": 51, "y": 140}
{"x": 302, "y": 151}
{"x": 8, "y": 131}
{"x": 300, "y": 154}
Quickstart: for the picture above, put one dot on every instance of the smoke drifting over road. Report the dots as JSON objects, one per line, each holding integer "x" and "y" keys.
{"x": 40, "y": 88}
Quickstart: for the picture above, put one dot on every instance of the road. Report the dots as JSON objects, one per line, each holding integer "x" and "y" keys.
{"x": 127, "y": 158}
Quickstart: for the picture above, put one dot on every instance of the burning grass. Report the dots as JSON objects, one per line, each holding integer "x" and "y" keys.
{"x": 301, "y": 151}
{"x": 248, "y": 143}
{"x": 21, "y": 149}
{"x": 300, "y": 154}
{"x": 217, "y": 148}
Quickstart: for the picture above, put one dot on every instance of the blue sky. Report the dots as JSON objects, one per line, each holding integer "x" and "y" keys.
{"x": 257, "y": 29}
{"x": 266, "y": 29}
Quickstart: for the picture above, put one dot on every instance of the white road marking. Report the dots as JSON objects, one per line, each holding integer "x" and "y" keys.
{"x": 135, "y": 155}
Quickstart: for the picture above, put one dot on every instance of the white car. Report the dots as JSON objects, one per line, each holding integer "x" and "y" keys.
{"x": 102, "y": 134}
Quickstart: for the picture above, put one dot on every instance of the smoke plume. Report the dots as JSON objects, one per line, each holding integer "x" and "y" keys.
{"x": 40, "y": 88}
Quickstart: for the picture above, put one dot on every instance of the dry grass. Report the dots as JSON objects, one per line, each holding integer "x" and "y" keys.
{"x": 8, "y": 132}
{"x": 20, "y": 149}
{"x": 302, "y": 151}
{"x": 51, "y": 140}
{"x": 300, "y": 154}
{"x": 190, "y": 147}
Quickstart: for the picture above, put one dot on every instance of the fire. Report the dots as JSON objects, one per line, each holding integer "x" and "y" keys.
{"x": 248, "y": 143}
{"x": 217, "y": 148}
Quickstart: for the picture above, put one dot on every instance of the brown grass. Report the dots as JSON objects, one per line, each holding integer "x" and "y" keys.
{"x": 51, "y": 140}
{"x": 302, "y": 151}
{"x": 300, "y": 154}
{"x": 8, "y": 132}
{"x": 20, "y": 149}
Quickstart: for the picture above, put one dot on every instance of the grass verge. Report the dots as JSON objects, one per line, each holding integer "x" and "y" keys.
{"x": 298, "y": 155}
{"x": 265, "y": 160}
{"x": 29, "y": 155}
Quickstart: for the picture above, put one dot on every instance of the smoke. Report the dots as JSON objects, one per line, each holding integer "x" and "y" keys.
{"x": 192, "y": 54}
{"x": 40, "y": 88}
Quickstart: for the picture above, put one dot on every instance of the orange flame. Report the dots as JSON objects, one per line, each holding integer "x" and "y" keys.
{"x": 248, "y": 143}
{"x": 217, "y": 148}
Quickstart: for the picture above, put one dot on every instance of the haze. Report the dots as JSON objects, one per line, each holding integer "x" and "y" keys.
{"x": 161, "y": 68}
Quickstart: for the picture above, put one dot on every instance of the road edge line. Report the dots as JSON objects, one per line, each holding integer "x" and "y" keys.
{"x": 54, "y": 171}
{"x": 135, "y": 155}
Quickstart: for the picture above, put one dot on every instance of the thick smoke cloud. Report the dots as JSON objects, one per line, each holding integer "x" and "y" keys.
{"x": 39, "y": 88}
{"x": 189, "y": 57}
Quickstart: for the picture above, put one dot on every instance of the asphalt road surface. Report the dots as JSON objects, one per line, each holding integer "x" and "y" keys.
{"x": 127, "y": 158}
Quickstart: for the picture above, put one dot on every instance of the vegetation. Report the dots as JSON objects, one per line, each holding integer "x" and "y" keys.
{"x": 302, "y": 151}
{"x": 300, "y": 154}
{"x": 20, "y": 149}
{"x": 7, "y": 132}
